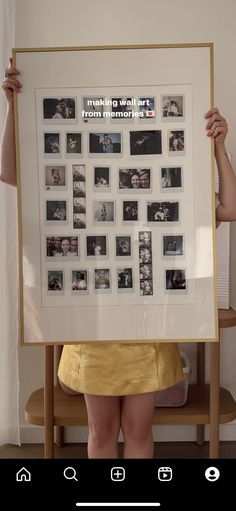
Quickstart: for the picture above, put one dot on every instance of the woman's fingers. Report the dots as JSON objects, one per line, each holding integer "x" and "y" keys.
{"x": 215, "y": 118}
{"x": 11, "y": 84}
{"x": 217, "y": 124}
{"x": 217, "y": 132}
{"x": 11, "y": 71}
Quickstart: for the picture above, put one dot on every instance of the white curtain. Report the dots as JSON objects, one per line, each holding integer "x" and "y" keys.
{"x": 9, "y": 381}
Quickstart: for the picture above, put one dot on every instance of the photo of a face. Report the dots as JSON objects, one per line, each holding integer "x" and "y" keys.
{"x": 55, "y": 177}
{"x": 104, "y": 211}
{"x": 55, "y": 281}
{"x": 56, "y": 211}
{"x": 122, "y": 108}
{"x": 52, "y": 143}
{"x": 62, "y": 246}
{"x": 93, "y": 108}
{"x": 96, "y": 245}
{"x": 173, "y": 107}
{"x": 130, "y": 211}
{"x": 59, "y": 109}
{"x": 147, "y": 107}
{"x": 105, "y": 143}
{"x": 78, "y": 172}
{"x": 124, "y": 278}
{"x": 102, "y": 178}
{"x": 171, "y": 177}
{"x": 73, "y": 143}
{"x": 102, "y": 278}
{"x": 176, "y": 142}
{"x": 80, "y": 281}
{"x": 172, "y": 245}
{"x": 163, "y": 211}
{"x": 134, "y": 179}
{"x": 123, "y": 246}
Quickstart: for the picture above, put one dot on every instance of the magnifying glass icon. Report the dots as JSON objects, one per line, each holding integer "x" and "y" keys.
{"x": 70, "y": 473}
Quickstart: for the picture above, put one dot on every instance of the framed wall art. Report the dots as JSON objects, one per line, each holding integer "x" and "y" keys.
{"x": 116, "y": 194}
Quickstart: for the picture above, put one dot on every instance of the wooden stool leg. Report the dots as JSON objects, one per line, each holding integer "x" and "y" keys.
{"x": 49, "y": 402}
{"x": 214, "y": 399}
{"x": 200, "y": 436}
{"x": 59, "y": 429}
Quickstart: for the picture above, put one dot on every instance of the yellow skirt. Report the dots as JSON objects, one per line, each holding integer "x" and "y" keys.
{"x": 120, "y": 369}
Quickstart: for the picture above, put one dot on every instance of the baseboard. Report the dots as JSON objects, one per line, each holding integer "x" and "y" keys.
{"x": 35, "y": 435}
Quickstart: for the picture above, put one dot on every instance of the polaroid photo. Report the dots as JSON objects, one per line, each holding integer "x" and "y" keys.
{"x": 171, "y": 179}
{"x": 102, "y": 280}
{"x": 168, "y": 211}
{"x": 78, "y": 173}
{"x": 104, "y": 212}
{"x": 101, "y": 181}
{"x": 93, "y": 109}
{"x": 79, "y": 189}
{"x": 145, "y": 254}
{"x": 130, "y": 211}
{"x": 145, "y": 239}
{"x": 58, "y": 110}
{"x": 176, "y": 142}
{"x": 55, "y": 177}
{"x": 131, "y": 180}
{"x": 145, "y": 142}
{"x": 173, "y": 107}
{"x": 79, "y": 221}
{"x": 123, "y": 246}
{"x": 56, "y": 212}
{"x": 73, "y": 145}
{"x": 52, "y": 145}
{"x": 55, "y": 282}
{"x": 172, "y": 246}
{"x": 122, "y": 109}
{"x": 175, "y": 281}
{"x": 79, "y": 281}
{"x": 105, "y": 144}
{"x": 125, "y": 281}
{"x": 97, "y": 246}
{"x": 147, "y": 109}
{"x": 62, "y": 248}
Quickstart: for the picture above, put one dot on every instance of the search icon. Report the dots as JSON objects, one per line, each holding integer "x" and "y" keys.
{"x": 70, "y": 473}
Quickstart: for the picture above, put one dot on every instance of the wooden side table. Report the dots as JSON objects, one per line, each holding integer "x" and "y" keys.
{"x": 213, "y": 405}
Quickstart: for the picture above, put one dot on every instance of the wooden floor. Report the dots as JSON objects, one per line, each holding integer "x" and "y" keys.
{"x": 170, "y": 450}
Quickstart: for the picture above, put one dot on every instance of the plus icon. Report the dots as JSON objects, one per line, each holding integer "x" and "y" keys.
{"x": 117, "y": 474}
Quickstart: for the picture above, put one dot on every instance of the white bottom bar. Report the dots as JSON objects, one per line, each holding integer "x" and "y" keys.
{"x": 118, "y": 504}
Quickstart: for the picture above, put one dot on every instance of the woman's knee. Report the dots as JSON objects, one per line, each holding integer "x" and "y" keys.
{"x": 103, "y": 431}
{"x": 68, "y": 390}
{"x": 136, "y": 431}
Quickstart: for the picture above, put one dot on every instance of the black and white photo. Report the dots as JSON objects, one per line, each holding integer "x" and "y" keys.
{"x": 55, "y": 281}
{"x": 56, "y": 211}
{"x": 173, "y": 107}
{"x": 104, "y": 211}
{"x": 163, "y": 211}
{"x": 145, "y": 271}
{"x": 79, "y": 221}
{"x": 145, "y": 142}
{"x": 176, "y": 142}
{"x": 173, "y": 245}
{"x": 124, "y": 278}
{"x": 130, "y": 211}
{"x": 102, "y": 179}
{"x": 55, "y": 177}
{"x": 102, "y": 279}
{"x": 171, "y": 178}
{"x": 176, "y": 280}
{"x": 78, "y": 172}
{"x": 59, "y": 110}
{"x": 96, "y": 246}
{"x": 122, "y": 108}
{"x": 93, "y": 108}
{"x": 52, "y": 146}
{"x": 79, "y": 205}
{"x": 78, "y": 189}
{"x": 147, "y": 107}
{"x": 146, "y": 287}
{"x": 79, "y": 281}
{"x": 123, "y": 246}
{"x": 62, "y": 246}
{"x": 105, "y": 143}
{"x": 73, "y": 144}
{"x": 135, "y": 179}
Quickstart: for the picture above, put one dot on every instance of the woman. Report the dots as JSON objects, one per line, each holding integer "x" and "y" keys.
{"x": 119, "y": 381}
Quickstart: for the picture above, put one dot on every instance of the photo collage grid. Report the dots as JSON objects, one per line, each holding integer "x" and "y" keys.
{"x": 66, "y": 211}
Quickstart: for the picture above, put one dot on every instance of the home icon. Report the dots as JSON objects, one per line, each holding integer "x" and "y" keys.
{"x": 23, "y": 475}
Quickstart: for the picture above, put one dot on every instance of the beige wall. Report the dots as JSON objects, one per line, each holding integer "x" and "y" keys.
{"x": 91, "y": 22}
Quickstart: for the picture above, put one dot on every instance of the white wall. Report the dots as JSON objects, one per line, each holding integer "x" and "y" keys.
{"x": 91, "y": 22}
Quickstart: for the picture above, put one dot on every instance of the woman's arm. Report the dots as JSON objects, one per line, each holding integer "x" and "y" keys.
{"x": 217, "y": 130}
{"x": 8, "y": 153}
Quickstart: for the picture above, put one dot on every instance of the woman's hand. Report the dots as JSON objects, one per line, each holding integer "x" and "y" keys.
{"x": 216, "y": 127}
{"x": 10, "y": 82}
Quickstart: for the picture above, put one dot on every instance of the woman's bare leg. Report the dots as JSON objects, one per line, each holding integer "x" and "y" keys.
{"x": 136, "y": 423}
{"x": 104, "y": 425}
